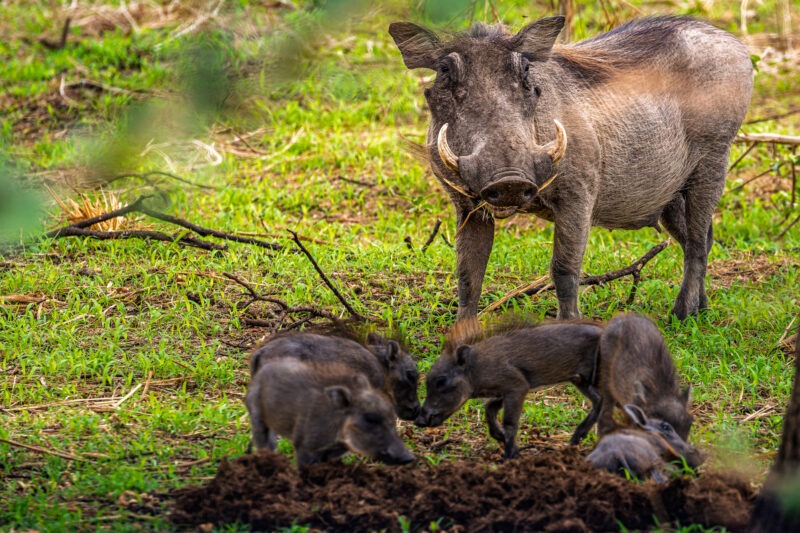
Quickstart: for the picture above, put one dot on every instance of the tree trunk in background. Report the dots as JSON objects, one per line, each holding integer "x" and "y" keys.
{"x": 784, "y": 23}
{"x": 567, "y": 9}
{"x": 777, "y": 508}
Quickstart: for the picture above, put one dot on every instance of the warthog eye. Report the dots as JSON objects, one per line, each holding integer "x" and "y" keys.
{"x": 440, "y": 382}
{"x": 372, "y": 418}
{"x": 665, "y": 427}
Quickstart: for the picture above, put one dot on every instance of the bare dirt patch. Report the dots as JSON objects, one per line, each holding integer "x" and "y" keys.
{"x": 747, "y": 269}
{"x": 555, "y": 490}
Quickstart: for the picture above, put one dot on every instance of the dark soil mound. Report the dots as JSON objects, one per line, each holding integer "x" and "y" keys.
{"x": 552, "y": 491}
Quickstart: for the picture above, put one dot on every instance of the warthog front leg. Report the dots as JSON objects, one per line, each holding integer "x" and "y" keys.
{"x": 473, "y": 247}
{"x": 512, "y": 409}
{"x": 492, "y": 408}
{"x": 570, "y": 236}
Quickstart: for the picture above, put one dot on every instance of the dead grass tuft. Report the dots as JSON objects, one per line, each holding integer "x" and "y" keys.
{"x": 90, "y": 205}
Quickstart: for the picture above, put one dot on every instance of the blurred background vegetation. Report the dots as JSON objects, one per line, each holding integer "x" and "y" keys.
{"x": 140, "y": 86}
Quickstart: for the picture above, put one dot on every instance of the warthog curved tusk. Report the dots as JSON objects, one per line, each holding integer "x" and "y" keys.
{"x": 448, "y": 157}
{"x": 560, "y": 143}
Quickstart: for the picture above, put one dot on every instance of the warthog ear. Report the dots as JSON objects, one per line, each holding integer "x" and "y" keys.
{"x": 360, "y": 381}
{"x": 636, "y": 414}
{"x": 375, "y": 339}
{"x": 462, "y": 354}
{"x": 535, "y": 40}
{"x": 686, "y": 395}
{"x": 418, "y": 45}
{"x": 392, "y": 349}
{"x": 339, "y": 396}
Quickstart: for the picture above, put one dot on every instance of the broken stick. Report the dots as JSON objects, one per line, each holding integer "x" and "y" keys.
{"x": 774, "y": 138}
{"x": 80, "y": 229}
{"x": 325, "y": 278}
{"x": 542, "y": 284}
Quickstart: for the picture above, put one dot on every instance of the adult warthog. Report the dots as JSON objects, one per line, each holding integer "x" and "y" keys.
{"x": 623, "y": 130}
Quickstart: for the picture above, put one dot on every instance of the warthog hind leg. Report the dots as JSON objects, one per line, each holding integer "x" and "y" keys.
{"x": 703, "y": 191}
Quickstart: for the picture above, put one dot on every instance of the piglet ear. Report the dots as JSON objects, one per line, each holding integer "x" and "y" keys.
{"x": 686, "y": 395}
{"x": 360, "y": 381}
{"x": 418, "y": 45}
{"x": 636, "y": 414}
{"x": 392, "y": 349}
{"x": 339, "y": 396}
{"x": 463, "y": 354}
{"x": 535, "y": 40}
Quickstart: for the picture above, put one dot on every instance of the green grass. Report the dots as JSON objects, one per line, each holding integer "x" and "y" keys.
{"x": 109, "y": 316}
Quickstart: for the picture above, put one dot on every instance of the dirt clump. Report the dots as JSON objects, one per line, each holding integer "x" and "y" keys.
{"x": 554, "y": 490}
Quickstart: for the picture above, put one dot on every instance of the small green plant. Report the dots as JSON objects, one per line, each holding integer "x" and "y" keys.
{"x": 404, "y": 523}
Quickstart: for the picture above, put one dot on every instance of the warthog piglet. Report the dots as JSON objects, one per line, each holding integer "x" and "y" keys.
{"x": 325, "y": 409}
{"x": 384, "y": 362}
{"x": 645, "y": 450}
{"x": 637, "y": 368}
{"x": 504, "y": 367}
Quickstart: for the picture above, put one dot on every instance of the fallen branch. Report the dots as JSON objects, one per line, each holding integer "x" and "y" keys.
{"x": 310, "y": 311}
{"x": 254, "y": 296}
{"x": 756, "y": 177}
{"x": 788, "y": 227}
{"x": 744, "y": 154}
{"x": 356, "y": 182}
{"x": 630, "y": 270}
{"x": 159, "y": 173}
{"x": 122, "y": 211}
{"x": 80, "y": 229}
{"x": 206, "y": 232}
{"x": 773, "y": 138}
{"x": 37, "y": 449}
{"x": 284, "y": 310}
{"x": 540, "y": 285}
{"x": 188, "y": 240}
{"x": 516, "y": 292}
{"x": 774, "y": 117}
{"x": 325, "y": 278}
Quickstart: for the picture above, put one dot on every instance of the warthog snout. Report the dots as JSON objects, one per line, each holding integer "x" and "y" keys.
{"x": 408, "y": 413}
{"x": 428, "y": 418}
{"x": 399, "y": 456}
{"x": 509, "y": 191}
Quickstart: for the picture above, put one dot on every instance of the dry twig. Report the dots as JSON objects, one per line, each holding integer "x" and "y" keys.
{"x": 37, "y": 449}
{"x": 772, "y": 138}
{"x": 432, "y": 236}
{"x": 634, "y": 270}
{"x": 775, "y": 116}
{"x": 146, "y": 176}
{"x": 284, "y": 310}
{"x": 62, "y": 42}
{"x": 325, "y": 278}
{"x": 516, "y": 292}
